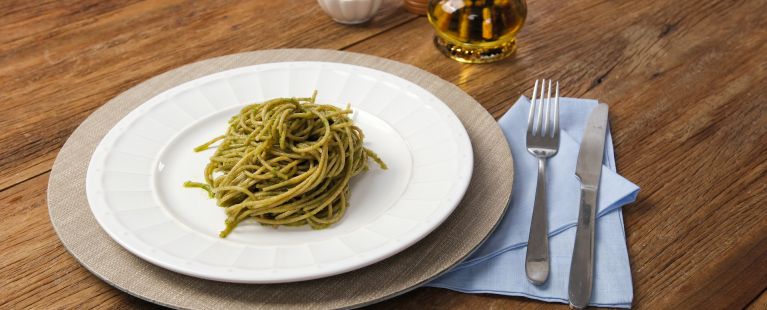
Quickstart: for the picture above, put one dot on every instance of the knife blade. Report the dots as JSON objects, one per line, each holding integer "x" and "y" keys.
{"x": 588, "y": 170}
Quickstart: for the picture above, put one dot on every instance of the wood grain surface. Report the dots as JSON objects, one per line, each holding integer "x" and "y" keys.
{"x": 686, "y": 81}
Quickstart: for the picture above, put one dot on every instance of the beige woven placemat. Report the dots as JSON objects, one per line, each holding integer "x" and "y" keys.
{"x": 480, "y": 210}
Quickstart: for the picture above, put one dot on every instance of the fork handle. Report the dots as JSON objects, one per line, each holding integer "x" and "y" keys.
{"x": 537, "y": 259}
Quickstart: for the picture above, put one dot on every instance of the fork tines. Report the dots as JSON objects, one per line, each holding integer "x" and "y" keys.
{"x": 540, "y": 111}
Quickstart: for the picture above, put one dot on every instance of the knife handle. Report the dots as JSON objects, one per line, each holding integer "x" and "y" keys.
{"x": 537, "y": 257}
{"x": 582, "y": 266}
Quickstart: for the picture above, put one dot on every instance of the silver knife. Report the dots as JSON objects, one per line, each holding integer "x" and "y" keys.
{"x": 588, "y": 171}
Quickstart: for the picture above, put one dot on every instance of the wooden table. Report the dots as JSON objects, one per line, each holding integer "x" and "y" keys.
{"x": 686, "y": 81}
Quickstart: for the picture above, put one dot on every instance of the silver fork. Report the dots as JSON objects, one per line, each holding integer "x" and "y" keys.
{"x": 542, "y": 142}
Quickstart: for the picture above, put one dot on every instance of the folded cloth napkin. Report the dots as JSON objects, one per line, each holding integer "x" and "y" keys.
{"x": 498, "y": 266}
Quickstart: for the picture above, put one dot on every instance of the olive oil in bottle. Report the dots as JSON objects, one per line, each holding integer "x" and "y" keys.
{"x": 476, "y": 31}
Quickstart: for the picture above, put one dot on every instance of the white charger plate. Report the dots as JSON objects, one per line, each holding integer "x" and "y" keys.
{"x": 134, "y": 179}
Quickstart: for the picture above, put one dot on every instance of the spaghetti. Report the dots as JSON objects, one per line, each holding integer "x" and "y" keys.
{"x": 286, "y": 161}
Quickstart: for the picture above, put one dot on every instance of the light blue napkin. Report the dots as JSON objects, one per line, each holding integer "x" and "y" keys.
{"x": 498, "y": 266}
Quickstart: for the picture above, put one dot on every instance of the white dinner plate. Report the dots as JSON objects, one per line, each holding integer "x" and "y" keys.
{"x": 134, "y": 180}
